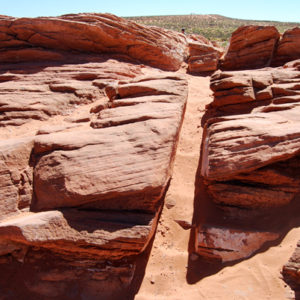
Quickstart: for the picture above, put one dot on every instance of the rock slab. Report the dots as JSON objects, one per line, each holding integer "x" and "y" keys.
{"x": 250, "y": 159}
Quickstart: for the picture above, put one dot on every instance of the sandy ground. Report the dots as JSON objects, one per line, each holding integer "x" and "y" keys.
{"x": 166, "y": 271}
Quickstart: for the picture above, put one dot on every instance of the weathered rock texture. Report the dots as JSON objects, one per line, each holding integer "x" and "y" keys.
{"x": 290, "y": 272}
{"x": 35, "y": 91}
{"x": 288, "y": 48}
{"x": 225, "y": 245}
{"x": 250, "y": 47}
{"x": 126, "y": 157}
{"x": 203, "y": 56}
{"x": 254, "y": 47}
{"x": 87, "y": 152}
{"x": 250, "y": 156}
{"x": 34, "y": 39}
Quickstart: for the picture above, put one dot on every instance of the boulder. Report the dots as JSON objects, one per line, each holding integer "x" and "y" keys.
{"x": 251, "y": 47}
{"x": 288, "y": 47}
{"x": 203, "y": 57}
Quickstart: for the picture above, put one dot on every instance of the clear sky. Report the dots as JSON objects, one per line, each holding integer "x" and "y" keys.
{"x": 276, "y": 10}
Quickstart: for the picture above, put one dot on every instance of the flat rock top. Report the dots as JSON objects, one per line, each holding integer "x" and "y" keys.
{"x": 268, "y": 132}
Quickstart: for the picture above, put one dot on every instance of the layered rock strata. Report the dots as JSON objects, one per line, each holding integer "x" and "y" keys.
{"x": 88, "y": 143}
{"x": 250, "y": 47}
{"x": 254, "y": 47}
{"x": 290, "y": 272}
{"x": 250, "y": 158}
{"x": 100, "y": 189}
{"x": 203, "y": 56}
{"x": 288, "y": 47}
{"x": 24, "y": 39}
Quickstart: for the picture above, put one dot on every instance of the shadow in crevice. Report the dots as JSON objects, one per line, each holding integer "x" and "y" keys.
{"x": 106, "y": 220}
{"x": 200, "y": 74}
{"x": 231, "y": 110}
{"x": 142, "y": 259}
{"x": 140, "y": 270}
{"x": 277, "y": 220}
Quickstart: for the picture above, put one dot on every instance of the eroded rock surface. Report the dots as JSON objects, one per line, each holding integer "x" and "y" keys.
{"x": 203, "y": 56}
{"x": 250, "y": 157}
{"x": 250, "y": 47}
{"x": 126, "y": 157}
{"x": 290, "y": 272}
{"x": 88, "y": 143}
{"x": 51, "y": 38}
{"x": 34, "y": 91}
{"x": 288, "y": 47}
{"x": 229, "y": 244}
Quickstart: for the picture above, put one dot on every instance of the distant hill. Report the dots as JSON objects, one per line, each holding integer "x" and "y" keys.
{"x": 213, "y": 27}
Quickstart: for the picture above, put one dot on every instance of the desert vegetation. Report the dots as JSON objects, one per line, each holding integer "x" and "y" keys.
{"x": 213, "y": 27}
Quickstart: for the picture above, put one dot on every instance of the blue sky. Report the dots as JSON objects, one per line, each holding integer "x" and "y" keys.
{"x": 277, "y": 10}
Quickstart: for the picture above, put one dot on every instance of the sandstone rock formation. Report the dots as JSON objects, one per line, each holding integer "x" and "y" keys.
{"x": 291, "y": 271}
{"x": 254, "y": 47}
{"x": 87, "y": 153}
{"x": 250, "y": 156}
{"x": 34, "y": 91}
{"x": 226, "y": 245}
{"x": 27, "y": 39}
{"x": 288, "y": 47}
{"x": 203, "y": 56}
{"x": 250, "y": 47}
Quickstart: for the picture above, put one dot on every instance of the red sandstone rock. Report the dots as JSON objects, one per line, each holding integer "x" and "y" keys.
{"x": 290, "y": 271}
{"x": 236, "y": 147}
{"x": 250, "y": 47}
{"x": 15, "y": 176}
{"x": 136, "y": 142}
{"x": 96, "y": 33}
{"x": 35, "y": 91}
{"x": 240, "y": 92}
{"x": 123, "y": 162}
{"x": 101, "y": 235}
{"x": 228, "y": 244}
{"x": 107, "y": 173}
{"x": 203, "y": 57}
{"x": 288, "y": 48}
{"x": 230, "y": 141}
{"x": 250, "y": 160}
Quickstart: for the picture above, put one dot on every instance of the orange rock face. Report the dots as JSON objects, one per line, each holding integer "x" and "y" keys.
{"x": 288, "y": 47}
{"x": 88, "y": 143}
{"x": 144, "y": 120}
{"x": 34, "y": 39}
{"x": 250, "y": 157}
{"x": 203, "y": 57}
{"x": 225, "y": 245}
{"x": 290, "y": 270}
{"x": 251, "y": 47}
